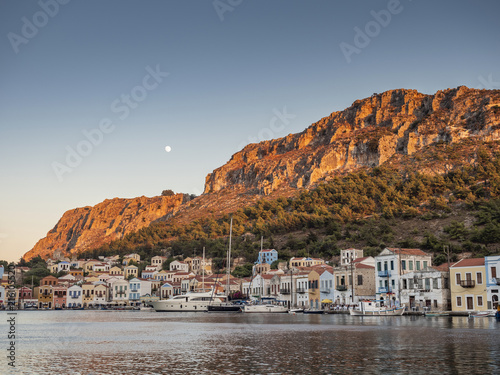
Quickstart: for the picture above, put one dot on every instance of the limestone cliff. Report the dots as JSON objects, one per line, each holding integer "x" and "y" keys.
{"x": 368, "y": 133}
{"x": 89, "y": 227}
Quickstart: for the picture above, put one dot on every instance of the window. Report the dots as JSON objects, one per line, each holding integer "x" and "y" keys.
{"x": 379, "y": 266}
{"x": 393, "y": 284}
{"x": 405, "y": 285}
{"x": 427, "y": 284}
{"x": 360, "y": 279}
{"x": 392, "y": 265}
{"x": 425, "y": 264}
{"x": 459, "y": 301}
{"x": 417, "y": 264}
{"x": 480, "y": 300}
{"x": 435, "y": 283}
{"x": 494, "y": 272}
{"x": 458, "y": 278}
{"x": 479, "y": 277}
{"x": 403, "y": 264}
{"x": 410, "y": 265}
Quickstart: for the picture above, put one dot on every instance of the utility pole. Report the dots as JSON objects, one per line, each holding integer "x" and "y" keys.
{"x": 352, "y": 279}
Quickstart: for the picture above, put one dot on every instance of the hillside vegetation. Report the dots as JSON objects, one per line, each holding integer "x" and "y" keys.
{"x": 390, "y": 205}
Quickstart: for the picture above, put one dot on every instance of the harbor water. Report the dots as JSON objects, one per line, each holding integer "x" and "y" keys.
{"x": 141, "y": 342}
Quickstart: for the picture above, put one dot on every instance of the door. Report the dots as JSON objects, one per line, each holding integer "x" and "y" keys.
{"x": 470, "y": 303}
{"x": 412, "y": 302}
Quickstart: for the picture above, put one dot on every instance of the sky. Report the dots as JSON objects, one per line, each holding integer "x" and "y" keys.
{"x": 91, "y": 92}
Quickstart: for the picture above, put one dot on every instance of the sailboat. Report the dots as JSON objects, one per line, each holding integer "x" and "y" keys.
{"x": 226, "y": 306}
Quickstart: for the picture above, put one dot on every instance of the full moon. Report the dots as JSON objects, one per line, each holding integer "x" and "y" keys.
{"x": 168, "y": 148}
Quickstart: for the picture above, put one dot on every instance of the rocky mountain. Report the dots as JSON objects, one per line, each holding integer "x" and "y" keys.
{"x": 367, "y": 134}
{"x": 374, "y": 130}
{"x": 88, "y": 227}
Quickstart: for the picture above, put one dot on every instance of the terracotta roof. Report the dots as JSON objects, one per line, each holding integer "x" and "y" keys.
{"x": 407, "y": 251}
{"x": 361, "y": 265}
{"x": 359, "y": 259}
{"x": 442, "y": 267}
{"x": 471, "y": 262}
{"x": 267, "y": 250}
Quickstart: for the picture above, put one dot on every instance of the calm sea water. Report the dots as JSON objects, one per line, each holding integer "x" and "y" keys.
{"x": 130, "y": 342}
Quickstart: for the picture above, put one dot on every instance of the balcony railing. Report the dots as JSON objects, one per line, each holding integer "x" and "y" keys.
{"x": 285, "y": 291}
{"x": 467, "y": 283}
{"x": 301, "y": 290}
{"x": 496, "y": 280}
{"x": 385, "y": 273}
{"x": 341, "y": 288}
{"x": 325, "y": 290}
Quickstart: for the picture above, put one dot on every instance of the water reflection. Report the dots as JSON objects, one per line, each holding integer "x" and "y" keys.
{"x": 82, "y": 342}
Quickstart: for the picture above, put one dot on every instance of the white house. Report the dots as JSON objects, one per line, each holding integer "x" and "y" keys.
{"x": 179, "y": 266}
{"x": 63, "y": 266}
{"x": 492, "y": 265}
{"x": 348, "y": 255}
{"x": 391, "y": 263}
{"x": 119, "y": 291}
{"x": 149, "y": 272}
{"x": 74, "y": 296}
{"x": 101, "y": 267}
{"x": 300, "y": 293}
{"x": 157, "y": 261}
{"x": 427, "y": 289}
{"x": 138, "y": 288}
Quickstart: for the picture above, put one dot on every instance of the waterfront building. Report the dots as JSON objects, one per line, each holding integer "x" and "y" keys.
{"x": 326, "y": 286}
{"x": 267, "y": 256}
{"x": 59, "y": 292}
{"x": 300, "y": 292}
{"x": 314, "y": 292}
{"x": 74, "y": 297}
{"x": 364, "y": 279}
{"x": 285, "y": 289}
{"x": 391, "y": 264}
{"x": 166, "y": 291}
{"x": 177, "y": 265}
{"x": 468, "y": 285}
{"x": 138, "y": 287}
{"x": 88, "y": 294}
{"x": 119, "y": 292}
{"x": 274, "y": 285}
{"x": 25, "y": 293}
{"x": 492, "y": 268}
{"x": 130, "y": 271}
{"x": 101, "y": 293}
{"x": 157, "y": 261}
{"x": 3, "y": 298}
{"x": 426, "y": 289}
{"x": 44, "y": 295}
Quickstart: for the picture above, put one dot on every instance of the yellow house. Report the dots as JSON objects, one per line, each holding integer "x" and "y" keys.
{"x": 88, "y": 294}
{"x": 130, "y": 270}
{"x": 45, "y": 296}
{"x": 314, "y": 291}
{"x": 468, "y": 285}
{"x": 116, "y": 272}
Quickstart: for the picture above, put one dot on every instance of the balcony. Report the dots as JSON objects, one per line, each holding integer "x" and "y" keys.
{"x": 341, "y": 288}
{"x": 301, "y": 290}
{"x": 496, "y": 280}
{"x": 285, "y": 291}
{"x": 385, "y": 273}
{"x": 325, "y": 290}
{"x": 382, "y": 290}
{"x": 467, "y": 283}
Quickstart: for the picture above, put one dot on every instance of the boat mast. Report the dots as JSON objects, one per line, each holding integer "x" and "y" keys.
{"x": 203, "y": 271}
{"x": 228, "y": 263}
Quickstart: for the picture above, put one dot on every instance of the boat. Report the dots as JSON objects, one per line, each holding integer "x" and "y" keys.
{"x": 373, "y": 308}
{"x": 190, "y": 301}
{"x": 295, "y": 311}
{"x": 224, "y": 307}
{"x": 482, "y": 314}
{"x": 265, "y": 305}
{"x": 437, "y": 313}
{"x": 308, "y": 311}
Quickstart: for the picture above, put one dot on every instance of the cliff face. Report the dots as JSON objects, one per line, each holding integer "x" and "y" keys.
{"x": 88, "y": 227}
{"x": 368, "y": 133}
{"x": 384, "y": 127}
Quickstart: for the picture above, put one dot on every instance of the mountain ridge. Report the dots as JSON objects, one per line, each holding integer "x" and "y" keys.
{"x": 367, "y": 134}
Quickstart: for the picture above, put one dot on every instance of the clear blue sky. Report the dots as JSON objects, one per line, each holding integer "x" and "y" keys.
{"x": 229, "y": 69}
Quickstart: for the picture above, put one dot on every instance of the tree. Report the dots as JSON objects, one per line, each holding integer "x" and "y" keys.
{"x": 274, "y": 265}
{"x": 167, "y": 193}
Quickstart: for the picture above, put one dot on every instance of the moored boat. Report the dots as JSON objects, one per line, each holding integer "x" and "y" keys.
{"x": 191, "y": 301}
{"x": 373, "y": 308}
{"x": 265, "y": 305}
